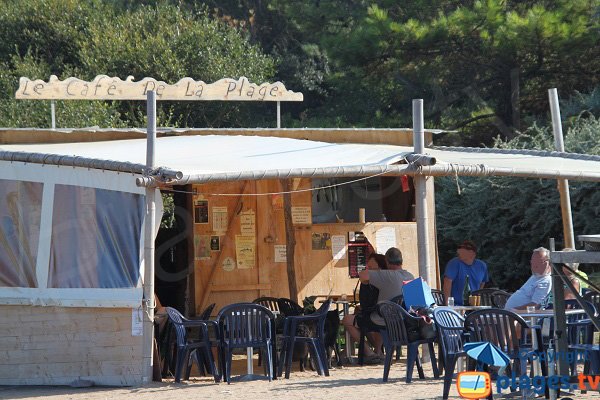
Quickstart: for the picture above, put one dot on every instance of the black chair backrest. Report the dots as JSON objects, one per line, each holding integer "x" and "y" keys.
{"x": 580, "y": 329}
{"x": 272, "y": 303}
{"x": 499, "y": 327}
{"x": 245, "y": 325}
{"x": 177, "y": 323}
{"x": 593, "y": 298}
{"x": 394, "y": 315}
{"x": 486, "y": 295}
{"x": 439, "y": 297}
{"x": 450, "y": 326}
{"x": 499, "y": 298}
{"x": 398, "y": 300}
{"x": 207, "y": 312}
{"x": 289, "y": 307}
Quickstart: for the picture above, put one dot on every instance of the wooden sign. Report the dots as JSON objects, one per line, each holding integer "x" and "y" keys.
{"x": 106, "y": 88}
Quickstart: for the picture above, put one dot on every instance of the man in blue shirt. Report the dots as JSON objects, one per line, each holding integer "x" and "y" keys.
{"x": 465, "y": 264}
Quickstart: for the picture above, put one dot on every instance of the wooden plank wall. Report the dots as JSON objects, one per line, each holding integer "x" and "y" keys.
{"x": 316, "y": 271}
{"x": 57, "y": 345}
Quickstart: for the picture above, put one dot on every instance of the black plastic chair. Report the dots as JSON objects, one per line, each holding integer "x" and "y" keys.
{"x": 289, "y": 308}
{"x": 398, "y": 300}
{"x": 269, "y": 302}
{"x": 395, "y": 334}
{"x": 508, "y": 331}
{"x": 451, "y": 334}
{"x": 207, "y": 312}
{"x": 486, "y": 296}
{"x": 593, "y": 298}
{"x": 580, "y": 331}
{"x": 439, "y": 297}
{"x": 315, "y": 341}
{"x": 499, "y": 298}
{"x": 186, "y": 344}
{"x": 245, "y": 325}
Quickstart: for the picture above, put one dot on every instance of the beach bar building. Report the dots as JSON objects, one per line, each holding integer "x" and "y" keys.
{"x": 261, "y": 212}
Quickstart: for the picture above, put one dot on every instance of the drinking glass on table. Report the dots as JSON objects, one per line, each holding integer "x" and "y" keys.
{"x": 450, "y": 301}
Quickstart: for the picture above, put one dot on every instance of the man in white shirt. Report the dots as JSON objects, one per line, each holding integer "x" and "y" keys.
{"x": 537, "y": 288}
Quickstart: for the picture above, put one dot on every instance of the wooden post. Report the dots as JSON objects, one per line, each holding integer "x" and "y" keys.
{"x": 290, "y": 238}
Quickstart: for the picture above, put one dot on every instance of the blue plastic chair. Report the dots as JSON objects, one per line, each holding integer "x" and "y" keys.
{"x": 186, "y": 344}
{"x": 315, "y": 341}
{"x": 451, "y": 334}
{"x": 245, "y": 325}
{"x": 395, "y": 335}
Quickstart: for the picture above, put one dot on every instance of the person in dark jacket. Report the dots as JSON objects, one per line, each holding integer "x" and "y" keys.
{"x": 368, "y": 295}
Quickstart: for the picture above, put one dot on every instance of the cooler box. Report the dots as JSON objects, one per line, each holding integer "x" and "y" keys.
{"x": 417, "y": 293}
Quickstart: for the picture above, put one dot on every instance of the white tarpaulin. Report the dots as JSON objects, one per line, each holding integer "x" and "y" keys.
{"x": 220, "y": 154}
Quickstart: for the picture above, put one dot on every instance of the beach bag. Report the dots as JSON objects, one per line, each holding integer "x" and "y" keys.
{"x": 417, "y": 293}
{"x": 421, "y": 327}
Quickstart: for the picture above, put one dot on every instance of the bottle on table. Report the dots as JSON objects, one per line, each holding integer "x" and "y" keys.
{"x": 466, "y": 291}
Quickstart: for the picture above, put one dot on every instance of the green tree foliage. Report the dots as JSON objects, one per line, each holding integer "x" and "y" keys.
{"x": 509, "y": 217}
{"x": 482, "y": 66}
{"x": 88, "y": 38}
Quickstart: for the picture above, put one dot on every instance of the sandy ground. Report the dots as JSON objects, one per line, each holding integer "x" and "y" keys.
{"x": 348, "y": 383}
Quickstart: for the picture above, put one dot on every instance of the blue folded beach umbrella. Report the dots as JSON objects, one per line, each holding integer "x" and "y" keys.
{"x": 486, "y": 353}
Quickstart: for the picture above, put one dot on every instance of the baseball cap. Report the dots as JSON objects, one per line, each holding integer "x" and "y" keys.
{"x": 468, "y": 245}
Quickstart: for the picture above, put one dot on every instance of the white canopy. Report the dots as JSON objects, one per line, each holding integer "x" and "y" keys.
{"x": 221, "y": 157}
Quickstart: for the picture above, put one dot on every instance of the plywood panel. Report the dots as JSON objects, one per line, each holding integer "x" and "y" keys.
{"x": 316, "y": 271}
{"x": 321, "y": 275}
{"x": 209, "y": 271}
{"x": 54, "y": 345}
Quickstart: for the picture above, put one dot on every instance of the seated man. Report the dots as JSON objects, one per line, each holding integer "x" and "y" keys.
{"x": 389, "y": 282}
{"x": 368, "y": 295}
{"x": 537, "y": 288}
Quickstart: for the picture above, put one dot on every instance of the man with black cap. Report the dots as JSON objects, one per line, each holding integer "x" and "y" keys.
{"x": 457, "y": 269}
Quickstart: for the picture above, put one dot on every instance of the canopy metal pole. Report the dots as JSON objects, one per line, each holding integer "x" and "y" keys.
{"x": 560, "y": 319}
{"x": 149, "y": 243}
{"x": 278, "y": 114}
{"x": 53, "y": 113}
{"x": 563, "y": 184}
{"x": 420, "y": 182}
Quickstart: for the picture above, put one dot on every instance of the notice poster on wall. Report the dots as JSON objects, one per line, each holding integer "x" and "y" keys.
{"x": 280, "y": 253}
{"x": 321, "y": 241}
{"x": 202, "y": 247}
{"x": 301, "y": 215}
{"x": 201, "y": 211}
{"x": 385, "y": 238}
{"x": 137, "y": 326}
{"x": 338, "y": 247}
{"x": 277, "y": 201}
{"x": 248, "y": 223}
{"x": 215, "y": 243}
{"x": 245, "y": 251}
{"x": 228, "y": 264}
{"x": 219, "y": 219}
